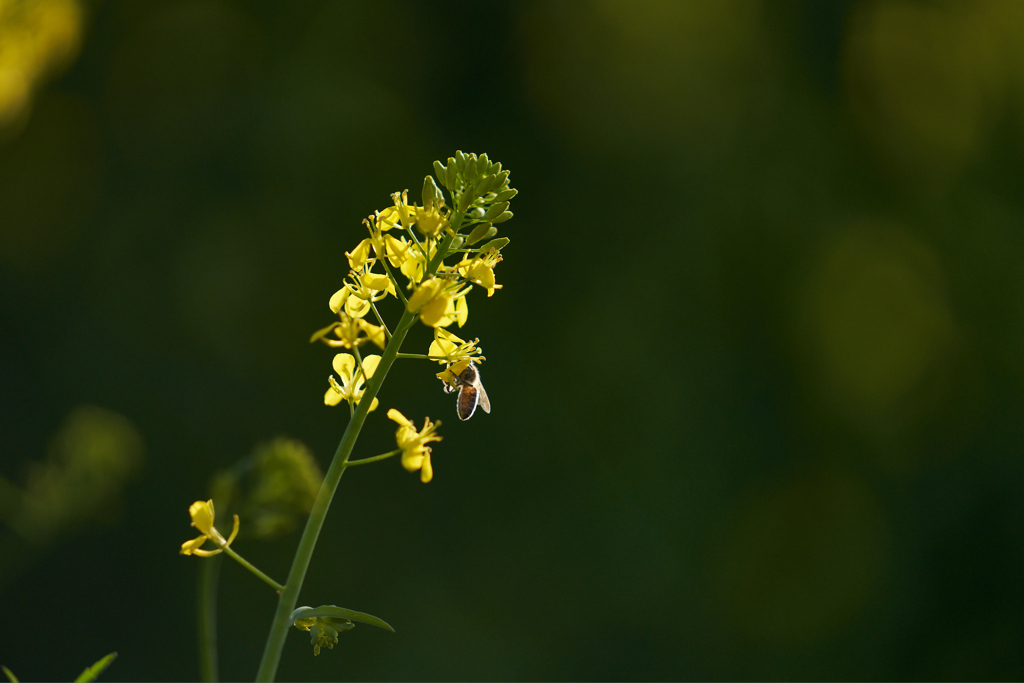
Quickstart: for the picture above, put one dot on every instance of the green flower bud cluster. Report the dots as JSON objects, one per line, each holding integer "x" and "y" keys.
{"x": 480, "y": 192}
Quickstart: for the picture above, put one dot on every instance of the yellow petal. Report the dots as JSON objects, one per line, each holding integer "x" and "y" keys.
{"x": 344, "y": 364}
{"x": 202, "y": 515}
{"x": 370, "y": 364}
{"x": 234, "y": 532}
{"x": 436, "y": 312}
{"x": 400, "y": 419}
{"x": 481, "y": 275}
{"x": 189, "y": 547}
{"x": 412, "y": 460}
{"x": 338, "y": 299}
{"x": 357, "y": 307}
{"x": 358, "y": 256}
{"x": 427, "y": 471}
{"x": 461, "y": 310}
{"x": 388, "y": 218}
{"x": 425, "y": 293}
{"x": 375, "y": 282}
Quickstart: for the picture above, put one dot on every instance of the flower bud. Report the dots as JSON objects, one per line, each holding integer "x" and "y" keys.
{"x": 496, "y": 209}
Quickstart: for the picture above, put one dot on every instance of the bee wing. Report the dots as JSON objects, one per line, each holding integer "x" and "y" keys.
{"x": 485, "y": 403}
{"x": 466, "y": 404}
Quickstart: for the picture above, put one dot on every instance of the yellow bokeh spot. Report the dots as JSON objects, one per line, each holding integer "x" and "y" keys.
{"x": 37, "y": 39}
{"x": 874, "y": 318}
{"x": 926, "y": 80}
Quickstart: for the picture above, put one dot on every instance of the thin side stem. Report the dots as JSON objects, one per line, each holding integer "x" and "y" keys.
{"x": 387, "y": 332}
{"x": 382, "y": 456}
{"x": 260, "y": 575}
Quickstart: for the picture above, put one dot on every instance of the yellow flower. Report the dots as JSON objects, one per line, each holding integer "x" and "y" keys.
{"x": 480, "y": 270}
{"x": 365, "y": 287}
{"x": 414, "y": 262}
{"x": 394, "y": 249}
{"x": 402, "y": 212}
{"x": 449, "y": 349}
{"x": 415, "y": 451}
{"x": 429, "y": 221}
{"x": 351, "y": 388}
{"x": 435, "y": 300}
{"x": 350, "y": 332}
{"x": 202, "y": 519}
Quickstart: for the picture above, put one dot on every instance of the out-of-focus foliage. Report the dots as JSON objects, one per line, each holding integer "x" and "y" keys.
{"x": 272, "y": 490}
{"x": 90, "y": 459}
{"x": 756, "y": 368}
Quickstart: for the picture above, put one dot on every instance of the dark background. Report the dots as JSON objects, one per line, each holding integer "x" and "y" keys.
{"x": 756, "y": 368}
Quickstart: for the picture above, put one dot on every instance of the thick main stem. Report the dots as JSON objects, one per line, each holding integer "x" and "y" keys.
{"x": 290, "y": 595}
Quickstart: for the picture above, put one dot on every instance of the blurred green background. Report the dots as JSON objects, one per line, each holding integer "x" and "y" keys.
{"x": 756, "y": 369}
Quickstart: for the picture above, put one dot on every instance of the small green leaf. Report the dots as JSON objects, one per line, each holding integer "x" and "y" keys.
{"x": 339, "y": 613}
{"x": 96, "y": 669}
{"x": 503, "y": 217}
{"x": 10, "y": 676}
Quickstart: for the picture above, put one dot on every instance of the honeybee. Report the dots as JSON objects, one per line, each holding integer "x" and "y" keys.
{"x": 471, "y": 390}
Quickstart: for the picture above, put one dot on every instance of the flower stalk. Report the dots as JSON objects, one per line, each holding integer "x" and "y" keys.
{"x": 290, "y": 595}
{"x": 413, "y": 241}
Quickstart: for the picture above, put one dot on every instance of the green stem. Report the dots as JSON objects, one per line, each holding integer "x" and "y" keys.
{"x": 382, "y": 456}
{"x": 290, "y": 594}
{"x": 260, "y": 575}
{"x": 209, "y": 570}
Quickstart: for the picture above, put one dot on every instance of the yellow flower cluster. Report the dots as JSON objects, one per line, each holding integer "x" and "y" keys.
{"x": 403, "y": 256}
